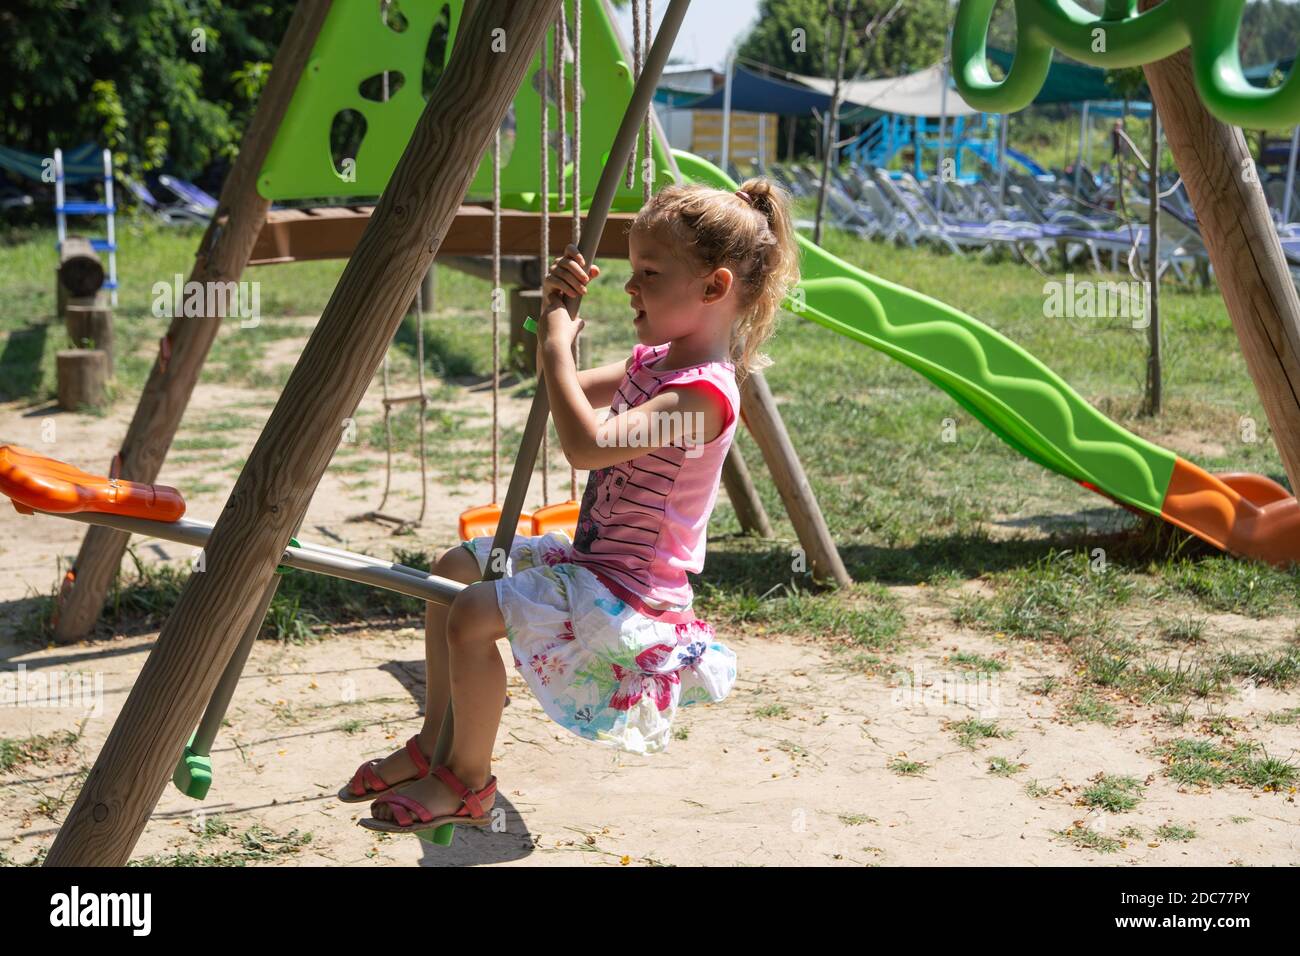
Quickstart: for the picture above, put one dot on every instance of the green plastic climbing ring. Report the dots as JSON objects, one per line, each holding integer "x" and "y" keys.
{"x": 1120, "y": 37}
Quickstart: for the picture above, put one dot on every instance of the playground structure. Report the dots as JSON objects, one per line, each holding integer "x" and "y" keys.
{"x": 1001, "y": 385}
{"x": 286, "y": 155}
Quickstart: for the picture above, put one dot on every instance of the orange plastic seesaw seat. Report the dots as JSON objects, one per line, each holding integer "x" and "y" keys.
{"x": 36, "y": 483}
{"x": 482, "y": 521}
{"x": 560, "y": 517}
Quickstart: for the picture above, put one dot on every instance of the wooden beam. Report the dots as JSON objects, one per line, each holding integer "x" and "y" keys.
{"x": 285, "y": 466}
{"x": 222, "y": 256}
{"x": 744, "y": 496}
{"x": 1238, "y": 232}
{"x": 299, "y": 235}
{"x": 759, "y": 413}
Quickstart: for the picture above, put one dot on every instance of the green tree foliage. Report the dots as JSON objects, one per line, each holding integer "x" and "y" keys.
{"x": 802, "y": 36}
{"x": 154, "y": 80}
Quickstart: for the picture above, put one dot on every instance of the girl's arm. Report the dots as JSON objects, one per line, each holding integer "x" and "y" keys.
{"x": 601, "y": 383}
{"x": 675, "y": 416}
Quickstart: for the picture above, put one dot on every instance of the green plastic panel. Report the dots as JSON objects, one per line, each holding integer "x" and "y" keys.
{"x": 1013, "y": 394}
{"x": 1120, "y": 37}
{"x": 355, "y": 44}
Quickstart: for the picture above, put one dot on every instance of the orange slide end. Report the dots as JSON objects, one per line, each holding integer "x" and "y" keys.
{"x": 35, "y": 482}
{"x": 1247, "y": 515}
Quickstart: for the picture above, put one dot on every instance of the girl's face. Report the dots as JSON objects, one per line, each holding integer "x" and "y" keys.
{"x": 669, "y": 300}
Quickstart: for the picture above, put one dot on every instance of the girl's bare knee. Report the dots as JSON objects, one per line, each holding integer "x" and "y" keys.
{"x": 457, "y": 564}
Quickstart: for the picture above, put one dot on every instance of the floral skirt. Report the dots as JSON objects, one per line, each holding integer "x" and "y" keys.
{"x": 599, "y": 667}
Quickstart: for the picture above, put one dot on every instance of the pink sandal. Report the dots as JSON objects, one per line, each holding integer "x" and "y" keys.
{"x": 366, "y": 782}
{"x": 471, "y": 812}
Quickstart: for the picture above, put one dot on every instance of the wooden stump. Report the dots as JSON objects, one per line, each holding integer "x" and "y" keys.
{"x": 522, "y": 356}
{"x": 90, "y": 326}
{"x": 83, "y": 374}
{"x": 80, "y": 271}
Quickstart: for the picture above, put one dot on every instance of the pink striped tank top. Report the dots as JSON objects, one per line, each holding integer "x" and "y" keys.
{"x": 643, "y": 522}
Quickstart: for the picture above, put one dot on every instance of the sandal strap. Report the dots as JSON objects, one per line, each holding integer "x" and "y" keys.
{"x": 366, "y": 780}
{"x": 468, "y": 797}
{"x": 401, "y": 804}
{"x": 417, "y": 757}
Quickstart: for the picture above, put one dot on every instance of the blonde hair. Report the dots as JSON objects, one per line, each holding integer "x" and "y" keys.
{"x": 752, "y": 237}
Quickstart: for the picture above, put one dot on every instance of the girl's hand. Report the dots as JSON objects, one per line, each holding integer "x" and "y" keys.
{"x": 557, "y": 327}
{"x": 567, "y": 276}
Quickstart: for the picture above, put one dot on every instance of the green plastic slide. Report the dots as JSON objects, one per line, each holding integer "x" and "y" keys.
{"x": 1016, "y": 396}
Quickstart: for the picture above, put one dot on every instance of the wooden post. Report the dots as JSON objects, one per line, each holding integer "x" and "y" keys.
{"x": 222, "y": 256}
{"x": 1238, "y": 232}
{"x": 277, "y": 483}
{"x": 426, "y": 293}
{"x": 90, "y": 325}
{"x": 80, "y": 271}
{"x": 82, "y": 375}
{"x": 744, "y": 497}
{"x": 760, "y": 415}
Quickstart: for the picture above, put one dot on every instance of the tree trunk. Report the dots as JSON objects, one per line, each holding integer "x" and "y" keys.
{"x": 832, "y": 121}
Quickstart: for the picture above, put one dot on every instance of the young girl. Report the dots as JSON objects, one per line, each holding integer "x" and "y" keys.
{"x": 601, "y": 627}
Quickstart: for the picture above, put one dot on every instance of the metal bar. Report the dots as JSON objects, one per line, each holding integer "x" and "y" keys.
{"x": 316, "y": 558}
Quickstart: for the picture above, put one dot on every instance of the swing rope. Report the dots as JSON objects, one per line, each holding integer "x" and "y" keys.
{"x": 577, "y": 184}
{"x": 544, "y": 78}
{"x": 402, "y": 524}
{"x": 647, "y": 168}
{"x": 496, "y": 311}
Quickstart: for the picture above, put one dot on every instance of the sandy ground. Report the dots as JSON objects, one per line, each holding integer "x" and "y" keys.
{"x": 795, "y": 768}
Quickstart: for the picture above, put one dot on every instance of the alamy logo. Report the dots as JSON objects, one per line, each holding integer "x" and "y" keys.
{"x": 222, "y": 300}
{"x": 53, "y": 689}
{"x": 662, "y": 429}
{"x": 1104, "y": 299}
{"x": 103, "y": 909}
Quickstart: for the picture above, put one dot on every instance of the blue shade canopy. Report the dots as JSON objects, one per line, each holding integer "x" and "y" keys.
{"x": 753, "y": 93}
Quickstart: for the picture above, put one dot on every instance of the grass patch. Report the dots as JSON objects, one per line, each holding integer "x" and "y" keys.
{"x": 972, "y": 730}
{"x": 1058, "y": 597}
{"x": 977, "y": 662}
{"x": 1002, "y": 767}
{"x": 1113, "y": 794}
{"x": 1087, "y": 706}
{"x": 19, "y": 752}
{"x": 1173, "y": 833}
{"x": 1204, "y": 763}
{"x": 907, "y": 768}
{"x": 1241, "y": 587}
{"x": 1087, "y": 839}
{"x": 257, "y": 844}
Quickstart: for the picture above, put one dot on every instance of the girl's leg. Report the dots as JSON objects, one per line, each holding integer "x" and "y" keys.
{"x": 459, "y": 565}
{"x": 478, "y": 686}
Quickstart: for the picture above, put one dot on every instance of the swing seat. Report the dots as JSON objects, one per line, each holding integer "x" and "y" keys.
{"x": 561, "y": 517}
{"x": 34, "y": 482}
{"x": 482, "y": 521}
